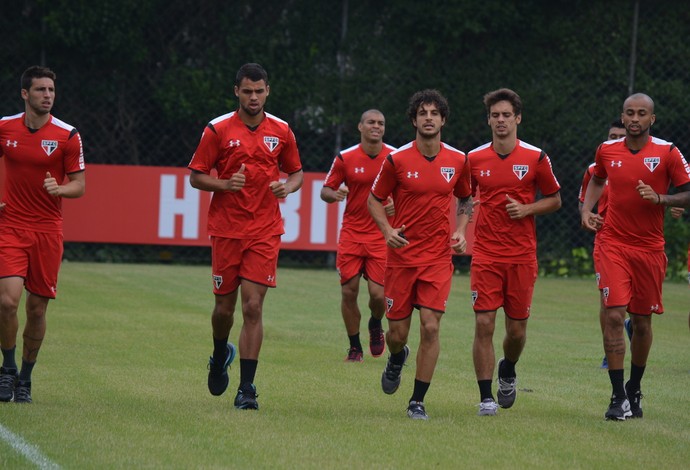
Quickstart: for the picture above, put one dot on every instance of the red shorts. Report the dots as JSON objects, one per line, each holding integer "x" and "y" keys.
{"x": 367, "y": 259}
{"x": 34, "y": 256}
{"x": 506, "y": 285}
{"x": 689, "y": 264}
{"x": 632, "y": 279}
{"x": 233, "y": 259}
{"x": 419, "y": 287}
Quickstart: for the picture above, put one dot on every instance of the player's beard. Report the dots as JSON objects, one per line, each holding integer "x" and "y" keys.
{"x": 252, "y": 112}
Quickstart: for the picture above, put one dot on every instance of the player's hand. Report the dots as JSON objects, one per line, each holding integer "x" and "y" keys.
{"x": 389, "y": 207}
{"x": 279, "y": 190}
{"x": 677, "y": 212}
{"x": 341, "y": 193}
{"x": 237, "y": 180}
{"x": 51, "y": 185}
{"x": 460, "y": 244}
{"x": 647, "y": 193}
{"x": 591, "y": 221}
{"x": 395, "y": 238}
{"x": 515, "y": 209}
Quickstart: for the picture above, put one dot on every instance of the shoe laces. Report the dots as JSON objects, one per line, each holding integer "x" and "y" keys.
{"x": 7, "y": 380}
{"x": 22, "y": 393}
{"x": 507, "y": 386}
{"x": 488, "y": 405}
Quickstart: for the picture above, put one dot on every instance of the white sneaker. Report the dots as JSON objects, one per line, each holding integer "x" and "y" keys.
{"x": 488, "y": 407}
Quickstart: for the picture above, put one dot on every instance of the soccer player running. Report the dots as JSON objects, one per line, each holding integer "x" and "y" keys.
{"x": 248, "y": 148}
{"x": 361, "y": 248}
{"x": 44, "y": 162}
{"x": 422, "y": 176}
{"x": 507, "y": 172}
{"x": 616, "y": 131}
{"x": 632, "y": 262}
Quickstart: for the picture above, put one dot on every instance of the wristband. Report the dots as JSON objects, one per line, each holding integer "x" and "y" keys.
{"x": 658, "y": 199}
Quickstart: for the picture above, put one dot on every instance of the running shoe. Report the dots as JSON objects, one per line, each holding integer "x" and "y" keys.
{"x": 390, "y": 379}
{"x": 218, "y": 379}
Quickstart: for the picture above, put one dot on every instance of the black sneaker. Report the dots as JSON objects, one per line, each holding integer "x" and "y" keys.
{"x": 218, "y": 373}
{"x": 390, "y": 379}
{"x": 246, "y": 398}
{"x": 8, "y": 380}
{"x": 507, "y": 388}
{"x": 22, "y": 392}
{"x": 635, "y": 398}
{"x": 415, "y": 410}
{"x": 619, "y": 409}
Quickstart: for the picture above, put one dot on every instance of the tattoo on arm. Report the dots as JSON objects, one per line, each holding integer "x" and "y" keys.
{"x": 465, "y": 207}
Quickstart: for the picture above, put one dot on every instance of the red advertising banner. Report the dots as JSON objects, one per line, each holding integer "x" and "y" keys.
{"x": 157, "y": 206}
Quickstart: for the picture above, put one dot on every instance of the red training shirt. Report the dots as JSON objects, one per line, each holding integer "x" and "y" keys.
{"x": 519, "y": 175}
{"x": 357, "y": 170}
{"x": 227, "y": 143}
{"x": 422, "y": 190}
{"x": 55, "y": 148}
{"x": 631, "y": 221}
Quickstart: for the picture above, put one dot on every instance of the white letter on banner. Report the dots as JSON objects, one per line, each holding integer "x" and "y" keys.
{"x": 289, "y": 209}
{"x": 317, "y": 231}
{"x": 170, "y": 206}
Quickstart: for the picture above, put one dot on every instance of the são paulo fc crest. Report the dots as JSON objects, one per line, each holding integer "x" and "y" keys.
{"x": 474, "y": 296}
{"x": 520, "y": 170}
{"x": 605, "y": 292}
{"x": 217, "y": 281}
{"x": 271, "y": 142}
{"x": 49, "y": 146}
{"x": 652, "y": 162}
{"x": 389, "y": 304}
{"x": 447, "y": 172}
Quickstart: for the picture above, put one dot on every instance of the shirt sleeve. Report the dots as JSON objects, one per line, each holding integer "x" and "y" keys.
{"x": 289, "y": 157}
{"x": 206, "y": 153}
{"x": 548, "y": 184}
{"x": 463, "y": 187}
{"x": 74, "y": 154}
{"x": 336, "y": 175}
{"x": 385, "y": 182}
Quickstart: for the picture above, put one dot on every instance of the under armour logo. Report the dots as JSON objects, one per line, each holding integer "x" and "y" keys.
{"x": 270, "y": 278}
{"x": 619, "y": 163}
{"x": 11, "y": 143}
{"x": 654, "y": 308}
{"x": 411, "y": 174}
{"x": 234, "y": 143}
{"x": 359, "y": 169}
{"x": 485, "y": 173}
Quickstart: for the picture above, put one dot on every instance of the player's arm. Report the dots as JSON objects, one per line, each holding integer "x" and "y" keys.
{"x": 680, "y": 199}
{"x": 292, "y": 183}
{"x": 395, "y": 238}
{"x": 589, "y": 220}
{"x": 545, "y": 205}
{"x": 205, "y": 182}
{"x": 462, "y": 219}
{"x": 330, "y": 195}
{"x": 74, "y": 188}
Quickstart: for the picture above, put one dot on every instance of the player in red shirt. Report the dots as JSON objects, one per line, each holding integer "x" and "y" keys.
{"x": 422, "y": 177}
{"x": 247, "y": 148}
{"x": 44, "y": 162}
{"x": 632, "y": 262}
{"x": 616, "y": 131}
{"x": 361, "y": 248}
{"x": 508, "y": 173}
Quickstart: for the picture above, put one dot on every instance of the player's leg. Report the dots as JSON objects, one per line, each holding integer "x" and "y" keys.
{"x": 374, "y": 268}
{"x": 602, "y": 320}
{"x": 10, "y": 295}
{"x": 352, "y": 317}
{"x": 398, "y": 286}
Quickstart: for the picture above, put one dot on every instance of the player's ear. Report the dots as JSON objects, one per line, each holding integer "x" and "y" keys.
{"x": 237, "y": 91}
{"x": 268, "y": 90}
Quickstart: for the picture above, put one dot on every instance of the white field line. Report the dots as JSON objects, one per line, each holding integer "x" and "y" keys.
{"x": 32, "y": 453}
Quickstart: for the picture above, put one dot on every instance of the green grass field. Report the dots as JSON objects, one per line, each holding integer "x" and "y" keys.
{"x": 121, "y": 383}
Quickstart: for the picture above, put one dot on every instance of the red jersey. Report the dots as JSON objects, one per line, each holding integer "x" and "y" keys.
{"x": 631, "y": 221}
{"x": 422, "y": 189}
{"x": 357, "y": 170}
{"x": 603, "y": 200}
{"x": 29, "y": 154}
{"x": 226, "y": 144}
{"x": 519, "y": 175}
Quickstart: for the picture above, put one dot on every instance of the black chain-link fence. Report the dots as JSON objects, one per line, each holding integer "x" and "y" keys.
{"x": 140, "y": 79}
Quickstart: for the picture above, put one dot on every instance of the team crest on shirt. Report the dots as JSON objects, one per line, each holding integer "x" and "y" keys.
{"x": 474, "y": 296}
{"x": 217, "y": 281}
{"x": 447, "y": 172}
{"x": 520, "y": 170}
{"x": 652, "y": 162}
{"x": 389, "y": 304}
{"x": 271, "y": 142}
{"x": 49, "y": 146}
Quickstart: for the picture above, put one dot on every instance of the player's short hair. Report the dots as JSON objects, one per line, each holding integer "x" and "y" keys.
{"x": 253, "y": 72}
{"x": 35, "y": 71}
{"x": 370, "y": 111}
{"x": 617, "y": 124}
{"x": 428, "y": 97}
{"x": 503, "y": 94}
